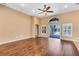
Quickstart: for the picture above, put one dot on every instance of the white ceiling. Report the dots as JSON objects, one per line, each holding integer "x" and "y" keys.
{"x": 32, "y": 8}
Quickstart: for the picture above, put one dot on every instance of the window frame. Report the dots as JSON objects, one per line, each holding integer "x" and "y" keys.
{"x": 66, "y": 29}
{"x": 43, "y": 29}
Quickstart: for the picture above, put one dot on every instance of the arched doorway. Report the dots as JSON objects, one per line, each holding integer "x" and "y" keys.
{"x": 54, "y": 28}
{"x": 54, "y": 34}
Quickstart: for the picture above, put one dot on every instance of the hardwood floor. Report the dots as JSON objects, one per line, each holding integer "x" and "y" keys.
{"x": 36, "y": 47}
{"x": 69, "y": 49}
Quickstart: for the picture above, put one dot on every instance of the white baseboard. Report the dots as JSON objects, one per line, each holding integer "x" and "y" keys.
{"x": 15, "y": 40}
{"x": 71, "y": 40}
{"x": 33, "y": 36}
{"x": 43, "y": 36}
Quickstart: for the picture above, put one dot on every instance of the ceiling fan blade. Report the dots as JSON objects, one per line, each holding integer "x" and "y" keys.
{"x": 40, "y": 13}
{"x": 48, "y": 8}
{"x": 40, "y": 9}
{"x": 44, "y": 6}
{"x": 50, "y": 11}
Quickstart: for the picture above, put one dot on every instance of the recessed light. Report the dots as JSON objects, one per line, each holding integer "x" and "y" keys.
{"x": 22, "y": 4}
{"x": 33, "y": 10}
{"x": 65, "y": 6}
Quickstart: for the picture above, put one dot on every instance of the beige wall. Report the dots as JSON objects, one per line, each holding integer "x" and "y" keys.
{"x": 71, "y": 17}
{"x": 35, "y": 21}
{"x": 44, "y": 22}
{"x": 14, "y": 25}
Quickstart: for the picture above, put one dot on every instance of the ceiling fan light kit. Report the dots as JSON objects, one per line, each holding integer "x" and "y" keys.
{"x": 45, "y": 10}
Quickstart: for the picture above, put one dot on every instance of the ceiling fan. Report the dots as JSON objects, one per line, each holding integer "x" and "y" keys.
{"x": 45, "y": 10}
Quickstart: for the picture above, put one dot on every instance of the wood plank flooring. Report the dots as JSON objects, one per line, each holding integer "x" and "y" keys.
{"x": 35, "y": 47}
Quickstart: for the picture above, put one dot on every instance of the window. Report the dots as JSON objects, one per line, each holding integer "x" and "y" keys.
{"x": 43, "y": 29}
{"x": 67, "y": 30}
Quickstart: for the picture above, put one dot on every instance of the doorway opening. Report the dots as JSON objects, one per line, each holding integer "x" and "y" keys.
{"x": 37, "y": 30}
{"x": 54, "y": 28}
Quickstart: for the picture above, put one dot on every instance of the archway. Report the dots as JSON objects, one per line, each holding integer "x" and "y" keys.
{"x": 54, "y": 34}
{"x": 54, "y": 28}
